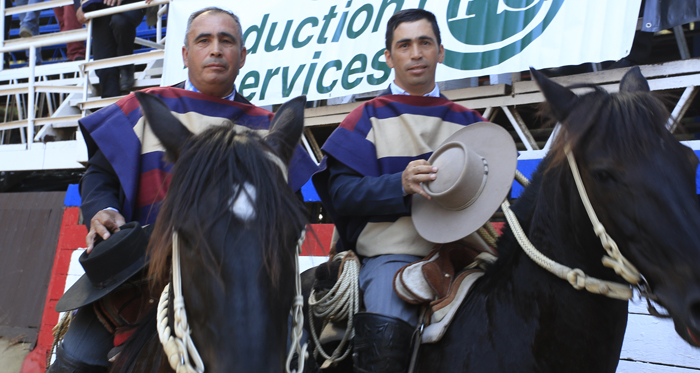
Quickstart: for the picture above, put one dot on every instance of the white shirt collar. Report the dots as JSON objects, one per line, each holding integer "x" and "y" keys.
{"x": 396, "y": 90}
{"x": 190, "y": 87}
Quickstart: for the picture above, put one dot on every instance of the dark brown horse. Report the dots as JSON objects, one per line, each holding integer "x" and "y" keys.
{"x": 641, "y": 182}
{"x": 238, "y": 222}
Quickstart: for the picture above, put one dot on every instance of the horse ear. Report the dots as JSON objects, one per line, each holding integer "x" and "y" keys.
{"x": 170, "y": 131}
{"x": 286, "y": 127}
{"x": 634, "y": 81}
{"x": 560, "y": 98}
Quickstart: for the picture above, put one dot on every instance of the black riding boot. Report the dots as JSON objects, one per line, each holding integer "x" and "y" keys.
{"x": 382, "y": 344}
{"x": 66, "y": 364}
{"x": 126, "y": 77}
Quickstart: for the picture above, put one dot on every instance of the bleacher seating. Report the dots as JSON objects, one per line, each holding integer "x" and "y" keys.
{"x": 57, "y": 53}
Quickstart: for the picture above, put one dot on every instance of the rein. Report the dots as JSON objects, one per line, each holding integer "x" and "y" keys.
{"x": 180, "y": 348}
{"x": 576, "y": 277}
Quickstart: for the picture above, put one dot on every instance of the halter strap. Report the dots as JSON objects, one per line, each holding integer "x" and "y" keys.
{"x": 614, "y": 259}
{"x": 576, "y": 277}
{"x": 276, "y": 160}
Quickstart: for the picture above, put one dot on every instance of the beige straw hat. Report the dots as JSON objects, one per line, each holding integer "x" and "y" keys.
{"x": 476, "y": 167}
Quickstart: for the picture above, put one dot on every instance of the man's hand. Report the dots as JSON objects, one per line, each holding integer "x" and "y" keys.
{"x": 112, "y": 2}
{"x": 415, "y": 173}
{"x": 80, "y": 15}
{"x": 104, "y": 223}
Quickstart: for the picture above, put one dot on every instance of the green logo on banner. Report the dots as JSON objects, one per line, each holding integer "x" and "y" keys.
{"x": 492, "y": 31}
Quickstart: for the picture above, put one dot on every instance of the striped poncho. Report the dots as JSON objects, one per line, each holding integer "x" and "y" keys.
{"x": 136, "y": 155}
{"x": 381, "y": 137}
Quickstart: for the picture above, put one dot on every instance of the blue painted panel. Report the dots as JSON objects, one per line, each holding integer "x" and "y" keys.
{"x": 72, "y": 196}
{"x": 309, "y": 192}
{"x": 527, "y": 167}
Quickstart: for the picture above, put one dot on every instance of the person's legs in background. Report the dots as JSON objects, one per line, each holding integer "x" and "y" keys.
{"x": 123, "y": 26}
{"x": 104, "y": 46}
{"x": 67, "y": 21}
{"x": 29, "y": 24}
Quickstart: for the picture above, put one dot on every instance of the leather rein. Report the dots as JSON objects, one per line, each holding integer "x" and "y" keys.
{"x": 180, "y": 349}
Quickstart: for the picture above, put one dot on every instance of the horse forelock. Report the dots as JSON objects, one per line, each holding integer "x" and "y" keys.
{"x": 211, "y": 169}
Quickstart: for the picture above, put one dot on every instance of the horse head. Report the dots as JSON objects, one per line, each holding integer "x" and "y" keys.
{"x": 641, "y": 183}
{"x": 238, "y": 222}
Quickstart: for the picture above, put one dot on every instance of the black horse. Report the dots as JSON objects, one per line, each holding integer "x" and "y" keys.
{"x": 238, "y": 222}
{"x": 641, "y": 182}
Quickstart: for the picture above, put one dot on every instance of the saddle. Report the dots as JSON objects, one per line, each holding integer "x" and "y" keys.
{"x": 440, "y": 282}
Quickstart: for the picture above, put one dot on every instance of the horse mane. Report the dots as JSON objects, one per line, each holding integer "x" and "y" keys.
{"x": 626, "y": 124}
{"x": 215, "y": 161}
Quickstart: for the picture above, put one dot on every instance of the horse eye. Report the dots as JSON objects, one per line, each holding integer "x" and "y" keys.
{"x": 602, "y": 176}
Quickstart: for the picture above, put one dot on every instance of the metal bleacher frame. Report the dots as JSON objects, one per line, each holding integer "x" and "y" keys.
{"x": 54, "y": 142}
{"x": 489, "y": 100}
{"x": 74, "y": 82}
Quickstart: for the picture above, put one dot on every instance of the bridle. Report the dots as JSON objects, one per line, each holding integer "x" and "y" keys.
{"x": 180, "y": 349}
{"x": 576, "y": 277}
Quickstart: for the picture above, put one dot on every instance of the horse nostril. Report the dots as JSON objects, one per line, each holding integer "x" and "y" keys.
{"x": 695, "y": 313}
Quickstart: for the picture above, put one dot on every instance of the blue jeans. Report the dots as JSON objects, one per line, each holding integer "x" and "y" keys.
{"x": 29, "y": 19}
{"x": 377, "y": 286}
{"x": 87, "y": 340}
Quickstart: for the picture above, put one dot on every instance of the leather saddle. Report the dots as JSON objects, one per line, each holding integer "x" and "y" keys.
{"x": 441, "y": 281}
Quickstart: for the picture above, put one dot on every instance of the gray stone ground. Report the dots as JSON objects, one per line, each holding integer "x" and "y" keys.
{"x": 11, "y": 355}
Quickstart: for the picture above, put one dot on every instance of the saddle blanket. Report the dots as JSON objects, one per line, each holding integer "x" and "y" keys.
{"x": 443, "y": 311}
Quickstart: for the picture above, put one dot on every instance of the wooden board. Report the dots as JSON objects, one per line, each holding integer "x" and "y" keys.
{"x": 652, "y": 345}
{"x": 29, "y": 229}
{"x": 638, "y": 367}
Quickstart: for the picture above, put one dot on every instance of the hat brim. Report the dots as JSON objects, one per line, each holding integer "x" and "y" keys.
{"x": 439, "y": 225}
{"x": 83, "y": 292}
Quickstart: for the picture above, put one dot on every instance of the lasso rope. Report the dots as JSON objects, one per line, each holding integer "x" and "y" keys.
{"x": 488, "y": 234}
{"x": 340, "y": 303}
{"x": 58, "y": 332}
{"x": 576, "y": 277}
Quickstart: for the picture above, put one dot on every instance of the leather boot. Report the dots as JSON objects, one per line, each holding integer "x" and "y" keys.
{"x": 382, "y": 344}
{"x": 66, "y": 364}
{"x": 126, "y": 77}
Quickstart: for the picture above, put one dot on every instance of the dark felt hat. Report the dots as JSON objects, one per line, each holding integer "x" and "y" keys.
{"x": 111, "y": 263}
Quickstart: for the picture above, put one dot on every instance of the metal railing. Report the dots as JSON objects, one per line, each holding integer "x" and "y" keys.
{"x": 81, "y": 68}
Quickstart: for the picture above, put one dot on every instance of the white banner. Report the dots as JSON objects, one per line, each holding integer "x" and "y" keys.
{"x": 333, "y": 48}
